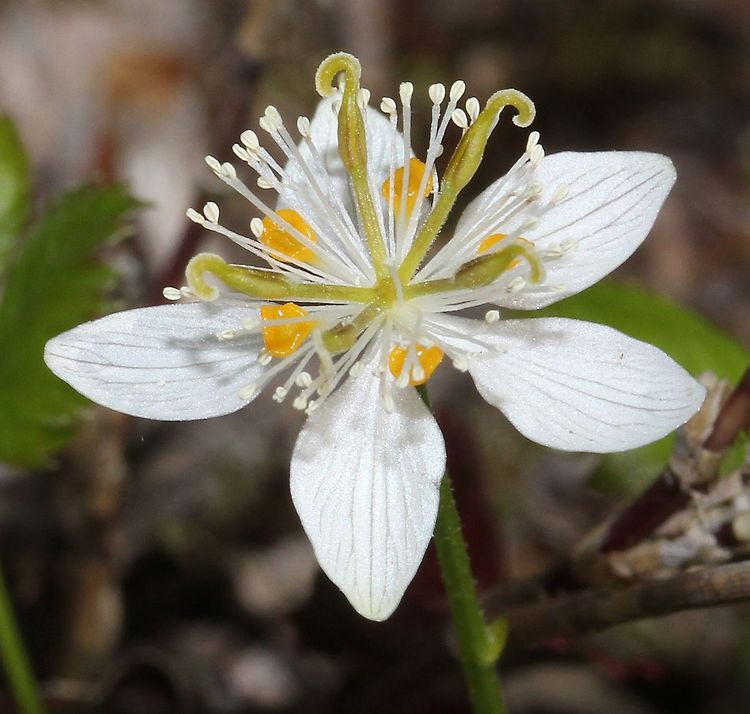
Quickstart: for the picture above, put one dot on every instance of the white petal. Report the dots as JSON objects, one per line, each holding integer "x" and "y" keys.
{"x": 580, "y": 386}
{"x": 161, "y": 362}
{"x": 612, "y": 202}
{"x": 324, "y": 134}
{"x": 365, "y": 483}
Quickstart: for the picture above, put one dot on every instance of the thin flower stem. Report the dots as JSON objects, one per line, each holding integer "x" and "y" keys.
{"x": 479, "y": 645}
{"x": 17, "y": 667}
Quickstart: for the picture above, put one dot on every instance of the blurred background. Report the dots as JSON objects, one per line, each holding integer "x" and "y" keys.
{"x": 161, "y": 567}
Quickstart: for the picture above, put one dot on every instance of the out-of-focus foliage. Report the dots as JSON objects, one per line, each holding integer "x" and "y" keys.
{"x": 14, "y": 187}
{"x": 686, "y": 336}
{"x": 53, "y": 282}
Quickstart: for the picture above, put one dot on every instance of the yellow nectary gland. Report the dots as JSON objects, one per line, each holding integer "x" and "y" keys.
{"x": 284, "y": 340}
{"x": 428, "y": 357}
{"x": 282, "y": 242}
{"x": 416, "y": 173}
{"x": 491, "y": 241}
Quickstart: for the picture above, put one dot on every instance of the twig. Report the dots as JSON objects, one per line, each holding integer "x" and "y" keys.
{"x": 669, "y": 493}
{"x": 587, "y": 611}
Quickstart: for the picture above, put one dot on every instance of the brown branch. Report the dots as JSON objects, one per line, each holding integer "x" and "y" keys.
{"x": 591, "y": 610}
{"x": 669, "y": 493}
{"x": 733, "y": 417}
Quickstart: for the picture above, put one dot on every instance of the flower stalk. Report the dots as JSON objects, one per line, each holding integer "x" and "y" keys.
{"x": 479, "y": 644}
{"x": 17, "y": 666}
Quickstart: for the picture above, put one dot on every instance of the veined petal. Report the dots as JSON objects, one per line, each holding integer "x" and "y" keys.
{"x": 365, "y": 483}
{"x": 164, "y": 362}
{"x": 324, "y": 135}
{"x": 579, "y": 386}
{"x": 612, "y": 201}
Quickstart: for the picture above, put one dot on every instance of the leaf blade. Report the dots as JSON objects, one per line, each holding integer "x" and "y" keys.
{"x": 54, "y": 284}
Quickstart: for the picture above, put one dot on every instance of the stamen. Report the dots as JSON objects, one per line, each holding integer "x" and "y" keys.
{"x": 303, "y": 127}
{"x": 211, "y": 212}
{"x": 172, "y": 293}
{"x": 282, "y": 242}
{"x": 459, "y": 119}
{"x": 282, "y": 340}
{"x": 472, "y": 108}
{"x": 437, "y": 93}
{"x": 388, "y": 106}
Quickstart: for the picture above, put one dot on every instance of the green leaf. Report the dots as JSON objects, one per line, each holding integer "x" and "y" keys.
{"x": 684, "y": 335}
{"x": 14, "y": 188}
{"x": 55, "y": 283}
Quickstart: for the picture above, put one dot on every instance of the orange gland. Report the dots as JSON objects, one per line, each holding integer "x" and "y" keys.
{"x": 282, "y": 242}
{"x": 285, "y": 339}
{"x": 416, "y": 172}
{"x": 491, "y": 241}
{"x": 428, "y": 357}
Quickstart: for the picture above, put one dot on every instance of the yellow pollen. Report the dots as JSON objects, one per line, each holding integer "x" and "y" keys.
{"x": 282, "y": 242}
{"x": 491, "y": 241}
{"x": 429, "y": 358}
{"x": 284, "y": 340}
{"x": 416, "y": 172}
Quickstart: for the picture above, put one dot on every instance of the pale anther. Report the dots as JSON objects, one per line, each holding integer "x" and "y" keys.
{"x": 300, "y": 403}
{"x": 516, "y": 284}
{"x": 264, "y": 358}
{"x": 194, "y": 216}
{"x": 248, "y": 392}
{"x": 171, "y": 293}
{"x": 437, "y": 93}
{"x": 537, "y": 154}
{"x": 226, "y": 335}
{"x": 492, "y": 316}
{"x": 213, "y": 164}
{"x": 264, "y": 183}
{"x": 388, "y": 403}
{"x": 472, "y": 108}
{"x": 256, "y": 226}
{"x": 363, "y": 98}
{"x": 303, "y": 126}
{"x": 405, "y": 90}
{"x": 457, "y": 90}
{"x": 240, "y": 152}
{"x": 303, "y": 380}
{"x": 459, "y": 118}
{"x": 279, "y": 394}
{"x": 250, "y": 139}
{"x": 228, "y": 170}
{"x": 532, "y": 141}
{"x": 211, "y": 212}
{"x": 388, "y": 106}
{"x": 356, "y": 369}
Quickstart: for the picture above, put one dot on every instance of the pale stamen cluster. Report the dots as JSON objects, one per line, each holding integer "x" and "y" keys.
{"x": 342, "y": 258}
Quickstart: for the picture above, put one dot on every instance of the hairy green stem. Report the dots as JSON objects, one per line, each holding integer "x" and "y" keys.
{"x": 479, "y": 645}
{"x": 17, "y": 667}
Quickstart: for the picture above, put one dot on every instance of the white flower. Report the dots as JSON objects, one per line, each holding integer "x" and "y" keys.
{"x": 354, "y": 285}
